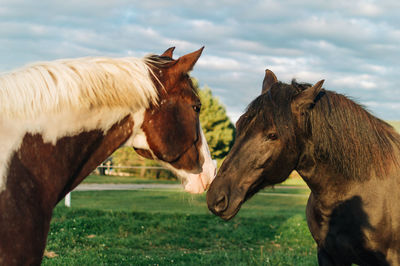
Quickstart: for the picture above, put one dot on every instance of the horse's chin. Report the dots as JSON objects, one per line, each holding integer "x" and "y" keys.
{"x": 194, "y": 184}
{"x": 231, "y": 211}
{"x": 235, "y": 205}
{"x": 230, "y": 214}
{"x": 198, "y": 183}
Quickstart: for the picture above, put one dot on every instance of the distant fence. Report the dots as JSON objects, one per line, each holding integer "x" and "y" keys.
{"x": 160, "y": 172}
{"x": 109, "y": 169}
{"x": 132, "y": 167}
{"x": 135, "y": 170}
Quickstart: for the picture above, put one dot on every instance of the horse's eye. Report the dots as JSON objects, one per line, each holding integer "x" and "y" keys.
{"x": 197, "y": 108}
{"x": 272, "y": 136}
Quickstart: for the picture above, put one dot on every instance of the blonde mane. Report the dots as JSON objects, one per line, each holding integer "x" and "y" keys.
{"x": 77, "y": 84}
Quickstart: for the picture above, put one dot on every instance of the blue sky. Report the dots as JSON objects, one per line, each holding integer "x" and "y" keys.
{"x": 353, "y": 45}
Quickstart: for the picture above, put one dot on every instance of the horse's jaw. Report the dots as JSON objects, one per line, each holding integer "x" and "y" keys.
{"x": 196, "y": 183}
{"x": 201, "y": 182}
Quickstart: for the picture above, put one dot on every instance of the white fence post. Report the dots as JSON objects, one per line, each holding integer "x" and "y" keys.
{"x": 68, "y": 200}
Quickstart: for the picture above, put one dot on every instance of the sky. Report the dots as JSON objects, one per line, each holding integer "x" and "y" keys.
{"x": 353, "y": 45}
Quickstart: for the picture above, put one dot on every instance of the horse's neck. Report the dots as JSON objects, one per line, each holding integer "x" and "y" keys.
{"x": 102, "y": 147}
{"x": 54, "y": 166}
{"x": 320, "y": 177}
{"x": 329, "y": 186}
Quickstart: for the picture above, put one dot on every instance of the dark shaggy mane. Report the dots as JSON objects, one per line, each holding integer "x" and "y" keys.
{"x": 350, "y": 139}
{"x": 346, "y": 136}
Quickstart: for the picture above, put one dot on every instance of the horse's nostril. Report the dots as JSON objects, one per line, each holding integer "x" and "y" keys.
{"x": 221, "y": 204}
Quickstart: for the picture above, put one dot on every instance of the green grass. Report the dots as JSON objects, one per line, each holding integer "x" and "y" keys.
{"x": 99, "y": 179}
{"x": 294, "y": 181}
{"x": 107, "y": 179}
{"x": 165, "y": 227}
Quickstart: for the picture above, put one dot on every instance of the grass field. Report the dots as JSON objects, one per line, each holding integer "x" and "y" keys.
{"x": 105, "y": 179}
{"x": 170, "y": 227}
{"x": 99, "y": 179}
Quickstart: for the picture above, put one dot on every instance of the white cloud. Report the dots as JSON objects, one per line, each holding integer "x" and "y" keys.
{"x": 387, "y": 110}
{"x": 355, "y": 81}
{"x": 353, "y": 45}
{"x": 218, "y": 63}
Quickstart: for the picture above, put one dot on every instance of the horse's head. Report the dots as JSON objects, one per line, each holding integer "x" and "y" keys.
{"x": 171, "y": 131}
{"x": 267, "y": 145}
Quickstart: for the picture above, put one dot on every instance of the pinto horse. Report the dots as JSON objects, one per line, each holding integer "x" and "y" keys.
{"x": 61, "y": 119}
{"x": 348, "y": 158}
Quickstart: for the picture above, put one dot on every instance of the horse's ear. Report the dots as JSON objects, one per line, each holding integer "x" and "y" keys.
{"x": 269, "y": 80}
{"x": 169, "y": 52}
{"x": 307, "y": 97}
{"x": 185, "y": 63}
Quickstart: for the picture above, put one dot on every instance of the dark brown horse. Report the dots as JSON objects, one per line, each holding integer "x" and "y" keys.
{"x": 348, "y": 158}
{"x": 61, "y": 119}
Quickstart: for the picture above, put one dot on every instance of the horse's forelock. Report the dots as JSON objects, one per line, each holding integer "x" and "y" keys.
{"x": 281, "y": 96}
{"x": 271, "y": 109}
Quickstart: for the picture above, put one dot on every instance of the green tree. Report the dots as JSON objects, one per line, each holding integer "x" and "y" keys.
{"x": 217, "y": 127}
